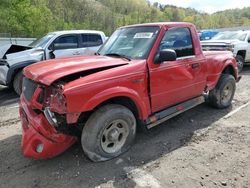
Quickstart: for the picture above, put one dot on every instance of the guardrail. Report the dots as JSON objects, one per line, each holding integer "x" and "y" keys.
{"x": 20, "y": 41}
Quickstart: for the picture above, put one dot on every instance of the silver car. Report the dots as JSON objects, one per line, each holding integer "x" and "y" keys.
{"x": 13, "y": 58}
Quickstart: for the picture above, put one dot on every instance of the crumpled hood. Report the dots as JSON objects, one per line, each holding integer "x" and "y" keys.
{"x": 12, "y": 50}
{"x": 46, "y": 72}
{"x": 20, "y": 54}
{"x": 14, "y": 54}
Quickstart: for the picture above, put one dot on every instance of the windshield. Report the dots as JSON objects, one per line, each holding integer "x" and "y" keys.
{"x": 132, "y": 42}
{"x": 230, "y": 36}
{"x": 42, "y": 41}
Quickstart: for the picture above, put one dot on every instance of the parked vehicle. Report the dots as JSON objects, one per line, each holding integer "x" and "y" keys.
{"x": 144, "y": 74}
{"x": 236, "y": 41}
{"x": 53, "y": 45}
{"x": 207, "y": 34}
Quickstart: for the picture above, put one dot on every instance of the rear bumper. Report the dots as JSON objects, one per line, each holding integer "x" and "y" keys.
{"x": 40, "y": 140}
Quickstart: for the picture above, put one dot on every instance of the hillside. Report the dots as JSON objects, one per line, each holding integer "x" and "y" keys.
{"x": 33, "y": 18}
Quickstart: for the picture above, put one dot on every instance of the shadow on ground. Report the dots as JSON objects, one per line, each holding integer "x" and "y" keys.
{"x": 72, "y": 168}
{"x": 246, "y": 70}
{"x": 7, "y": 96}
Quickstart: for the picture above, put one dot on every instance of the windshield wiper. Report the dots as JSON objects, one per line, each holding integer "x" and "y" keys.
{"x": 118, "y": 55}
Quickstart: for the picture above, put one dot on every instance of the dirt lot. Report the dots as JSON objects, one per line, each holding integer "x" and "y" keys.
{"x": 203, "y": 147}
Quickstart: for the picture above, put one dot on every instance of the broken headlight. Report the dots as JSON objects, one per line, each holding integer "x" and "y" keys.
{"x": 50, "y": 116}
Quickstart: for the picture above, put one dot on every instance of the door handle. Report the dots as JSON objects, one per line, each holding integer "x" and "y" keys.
{"x": 76, "y": 53}
{"x": 195, "y": 65}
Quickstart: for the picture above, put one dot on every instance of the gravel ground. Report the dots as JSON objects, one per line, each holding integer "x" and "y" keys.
{"x": 202, "y": 147}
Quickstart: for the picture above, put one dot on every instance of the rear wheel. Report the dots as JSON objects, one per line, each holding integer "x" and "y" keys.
{"x": 17, "y": 82}
{"x": 240, "y": 62}
{"x": 222, "y": 95}
{"x": 109, "y": 132}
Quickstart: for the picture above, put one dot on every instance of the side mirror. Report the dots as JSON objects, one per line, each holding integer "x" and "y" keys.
{"x": 51, "y": 47}
{"x": 165, "y": 55}
{"x": 248, "y": 39}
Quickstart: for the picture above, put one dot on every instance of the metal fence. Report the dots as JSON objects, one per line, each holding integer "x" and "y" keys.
{"x": 5, "y": 38}
{"x": 5, "y": 35}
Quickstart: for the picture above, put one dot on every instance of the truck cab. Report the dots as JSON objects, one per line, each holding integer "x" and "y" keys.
{"x": 143, "y": 75}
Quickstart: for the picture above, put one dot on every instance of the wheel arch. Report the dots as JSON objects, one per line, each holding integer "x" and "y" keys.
{"x": 229, "y": 69}
{"x": 226, "y": 67}
{"x": 14, "y": 69}
{"x": 242, "y": 53}
{"x": 119, "y": 95}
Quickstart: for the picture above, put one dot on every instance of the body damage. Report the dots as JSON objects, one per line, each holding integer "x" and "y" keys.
{"x": 37, "y": 130}
{"x": 15, "y": 58}
{"x": 74, "y": 87}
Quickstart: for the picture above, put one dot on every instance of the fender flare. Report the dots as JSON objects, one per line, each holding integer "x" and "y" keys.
{"x": 235, "y": 69}
{"x": 14, "y": 68}
{"x": 142, "y": 105}
{"x": 220, "y": 69}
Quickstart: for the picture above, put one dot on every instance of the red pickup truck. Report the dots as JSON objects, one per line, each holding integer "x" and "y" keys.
{"x": 143, "y": 75}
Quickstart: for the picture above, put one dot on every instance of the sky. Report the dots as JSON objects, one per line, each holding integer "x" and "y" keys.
{"x": 208, "y": 6}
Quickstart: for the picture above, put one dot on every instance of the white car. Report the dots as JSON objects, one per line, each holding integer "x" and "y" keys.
{"x": 13, "y": 58}
{"x": 236, "y": 41}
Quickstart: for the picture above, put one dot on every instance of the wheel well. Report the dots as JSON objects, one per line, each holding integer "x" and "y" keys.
{"x": 14, "y": 74}
{"x": 242, "y": 53}
{"x": 124, "y": 101}
{"x": 229, "y": 70}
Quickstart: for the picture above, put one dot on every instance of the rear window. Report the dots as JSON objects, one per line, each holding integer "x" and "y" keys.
{"x": 89, "y": 40}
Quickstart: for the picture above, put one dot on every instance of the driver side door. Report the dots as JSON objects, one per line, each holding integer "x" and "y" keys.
{"x": 172, "y": 82}
{"x": 64, "y": 46}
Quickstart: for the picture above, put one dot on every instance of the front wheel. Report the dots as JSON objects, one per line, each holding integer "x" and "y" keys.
{"x": 109, "y": 132}
{"x": 222, "y": 95}
{"x": 17, "y": 82}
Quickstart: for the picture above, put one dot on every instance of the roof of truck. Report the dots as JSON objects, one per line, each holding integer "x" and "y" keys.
{"x": 162, "y": 24}
{"x": 75, "y": 32}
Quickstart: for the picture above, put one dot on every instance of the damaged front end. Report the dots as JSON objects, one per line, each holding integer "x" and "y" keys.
{"x": 46, "y": 132}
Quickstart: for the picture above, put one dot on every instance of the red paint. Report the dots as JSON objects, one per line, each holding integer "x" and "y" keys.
{"x": 36, "y": 130}
{"x": 169, "y": 83}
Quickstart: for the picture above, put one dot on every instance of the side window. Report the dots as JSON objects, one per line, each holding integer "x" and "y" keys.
{"x": 66, "y": 42}
{"x": 89, "y": 40}
{"x": 178, "y": 39}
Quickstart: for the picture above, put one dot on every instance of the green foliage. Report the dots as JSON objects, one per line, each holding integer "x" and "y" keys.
{"x": 33, "y": 18}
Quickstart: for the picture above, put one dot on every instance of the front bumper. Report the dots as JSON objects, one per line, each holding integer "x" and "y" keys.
{"x": 3, "y": 74}
{"x": 40, "y": 140}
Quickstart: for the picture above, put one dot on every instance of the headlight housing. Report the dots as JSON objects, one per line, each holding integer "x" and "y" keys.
{"x": 230, "y": 47}
{"x": 50, "y": 116}
{"x": 57, "y": 100}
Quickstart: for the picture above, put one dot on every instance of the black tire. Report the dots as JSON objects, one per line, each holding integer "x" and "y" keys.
{"x": 222, "y": 95}
{"x": 17, "y": 82}
{"x": 240, "y": 62}
{"x": 100, "y": 130}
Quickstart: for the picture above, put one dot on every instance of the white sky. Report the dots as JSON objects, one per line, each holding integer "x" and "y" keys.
{"x": 208, "y": 6}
